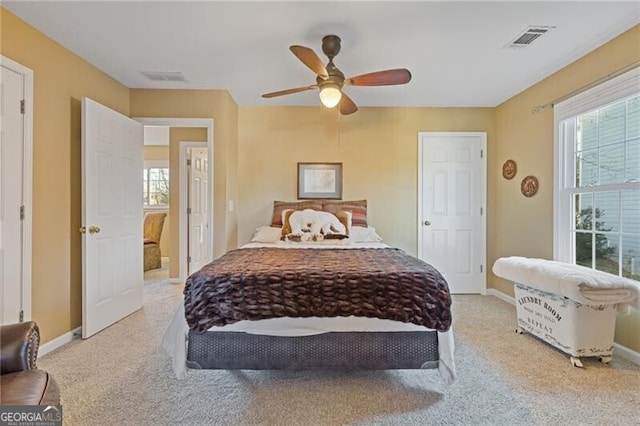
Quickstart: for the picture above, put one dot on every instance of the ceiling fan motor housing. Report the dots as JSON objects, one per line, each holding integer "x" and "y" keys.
{"x": 331, "y": 45}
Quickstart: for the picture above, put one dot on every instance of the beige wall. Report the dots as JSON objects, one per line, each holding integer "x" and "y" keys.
{"x": 377, "y": 146}
{"x": 215, "y": 104}
{"x": 61, "y": 79}
{"x": 156, "y": 152}
{"x": 526, "y": 224}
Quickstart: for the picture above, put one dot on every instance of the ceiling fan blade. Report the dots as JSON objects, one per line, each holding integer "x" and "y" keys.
{"x": 289, "y": 91}
{"x": 310, "y": 59}
{"x": 381, "y": 78}
{"x": 347, "y": 106}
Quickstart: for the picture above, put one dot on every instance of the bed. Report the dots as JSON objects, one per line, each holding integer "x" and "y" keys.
{"x": 355, "y": 304}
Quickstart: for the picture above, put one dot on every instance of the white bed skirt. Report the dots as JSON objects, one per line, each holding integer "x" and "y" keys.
{"x": 175, "y": 342}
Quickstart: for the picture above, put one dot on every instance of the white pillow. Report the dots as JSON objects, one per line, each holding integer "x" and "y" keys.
{"x": 267, "y": 234}
{"x": 360, "y": 234}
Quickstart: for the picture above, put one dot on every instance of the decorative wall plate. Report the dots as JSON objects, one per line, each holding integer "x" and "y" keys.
{"x": 509, "y": 169}
{"x": 529, "y": 186}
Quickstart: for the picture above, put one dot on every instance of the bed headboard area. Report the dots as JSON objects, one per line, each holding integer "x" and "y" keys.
{"x": 358, "y": 209}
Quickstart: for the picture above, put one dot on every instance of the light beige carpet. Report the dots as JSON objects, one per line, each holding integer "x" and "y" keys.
{"x": 122, "y": 377}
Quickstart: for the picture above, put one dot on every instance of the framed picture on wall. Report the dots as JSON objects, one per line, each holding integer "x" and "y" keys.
{"x": 320, "y": 180}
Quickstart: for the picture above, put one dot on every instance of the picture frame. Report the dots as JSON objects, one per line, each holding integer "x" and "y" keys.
{"x": 320, "y": 181}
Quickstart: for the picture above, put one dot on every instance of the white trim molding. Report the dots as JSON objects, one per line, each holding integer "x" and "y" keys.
{"x": 626, "y": 353}
{"x": 502, "y": 296}
{"x": 59, "y": 341}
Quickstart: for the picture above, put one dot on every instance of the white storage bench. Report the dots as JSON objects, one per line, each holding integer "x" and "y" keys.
{"x": 569, "y": 307}
{"x": 576, "y": 329}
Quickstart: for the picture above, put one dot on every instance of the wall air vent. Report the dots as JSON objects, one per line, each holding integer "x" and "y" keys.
{"x": 163, "y": 76}
{"x": 528, "y": 36}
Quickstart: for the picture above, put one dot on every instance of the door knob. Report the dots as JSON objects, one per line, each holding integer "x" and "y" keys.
{"x": 94, "y": 229}
{"x": 83, "y": 230}
{"x": 427, "y": 223}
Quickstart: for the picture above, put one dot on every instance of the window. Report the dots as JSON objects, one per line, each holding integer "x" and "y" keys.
{"x": 597, "y": 197}
{"x": 155, "y": 190}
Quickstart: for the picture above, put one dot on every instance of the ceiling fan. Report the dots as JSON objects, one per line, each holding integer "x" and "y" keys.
{"x": 330, "y": 79}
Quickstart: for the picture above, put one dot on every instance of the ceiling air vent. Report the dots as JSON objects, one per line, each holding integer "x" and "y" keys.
{"x": 163, "y": 76}
{"x": 528, "y": 36}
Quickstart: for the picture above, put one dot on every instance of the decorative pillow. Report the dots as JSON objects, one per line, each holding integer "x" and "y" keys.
{"x": 360, "y": 234}
{"x": 307, "y": 238}
{"x": 279, "y": 206}
{"x": 266, "y": 234}
{"x": 357, "y": 208}
{"x": 286, "y": 226}
{"x": 345, "y": 218}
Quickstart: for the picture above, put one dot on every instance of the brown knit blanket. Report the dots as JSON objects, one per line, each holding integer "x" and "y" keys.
{"x": 260, "y": 283}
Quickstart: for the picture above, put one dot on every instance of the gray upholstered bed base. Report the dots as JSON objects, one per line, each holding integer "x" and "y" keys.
{"x": 335, "y": 350}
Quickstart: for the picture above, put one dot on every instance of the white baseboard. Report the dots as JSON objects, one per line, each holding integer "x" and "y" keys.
{"x": 176, "y": 281}
{"x": 500, "y": 295}
{"x": 626, "y": 353}
{"x": 621, "y": 351}
{"x": 58, "y": 342}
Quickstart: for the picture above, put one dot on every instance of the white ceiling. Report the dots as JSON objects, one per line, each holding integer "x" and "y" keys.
{"x": 455, "y": 50}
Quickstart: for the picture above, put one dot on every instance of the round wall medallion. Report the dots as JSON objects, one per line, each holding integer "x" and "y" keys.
{"x": 509, "y": 169}
{"x": 529, "y": 186}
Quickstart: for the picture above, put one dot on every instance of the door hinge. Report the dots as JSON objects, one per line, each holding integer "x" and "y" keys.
{"x": 481, "y": 153}
{"x": 188, "y": 259}
{"x": 21, "y": 316}
{"x": 21, "y": 212}
{"x": 188, "y": 210}
{"x": 188, "y": 161}
{"x": 481, "y": 269}
{"x": 480, "y": 211}
{"x": 22, "y": 106}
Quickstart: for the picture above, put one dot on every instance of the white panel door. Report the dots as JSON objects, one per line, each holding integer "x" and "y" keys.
{"x": 11, "y": 147}
{"x": 197, "y": 218}
{"x": 451, "y": 194}
{"x": 112, "y": 277}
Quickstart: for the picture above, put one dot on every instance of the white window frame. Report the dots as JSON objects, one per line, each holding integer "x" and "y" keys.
{"x": 613, "y": 90}
{"x": 159, "y": 164}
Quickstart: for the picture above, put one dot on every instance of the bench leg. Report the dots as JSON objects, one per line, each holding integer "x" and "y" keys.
{"x": 605, "y": 359}
{"x": 575, "y": 361}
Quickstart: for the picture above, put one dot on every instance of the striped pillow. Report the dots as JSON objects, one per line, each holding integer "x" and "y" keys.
{"x": 357, "y": 208}
{"x": 279, "y": 206}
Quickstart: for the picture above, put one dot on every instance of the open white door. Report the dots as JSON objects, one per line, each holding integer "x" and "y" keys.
{"x": 452, "y": 184}
{"x": 197, "y": 171}
{"x": 112, "y": 277}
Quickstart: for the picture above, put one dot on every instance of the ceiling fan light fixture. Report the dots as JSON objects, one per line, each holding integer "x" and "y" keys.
{"x": 330, "y": 95}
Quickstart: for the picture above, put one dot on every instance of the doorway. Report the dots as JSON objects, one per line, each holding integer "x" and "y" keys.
{"x": 183, "y": 249}
{"x": 452, "y": 207}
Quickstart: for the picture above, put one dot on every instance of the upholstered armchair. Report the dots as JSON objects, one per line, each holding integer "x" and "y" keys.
{"x": 21, "y": 383}
{"x": 153, "y": 223}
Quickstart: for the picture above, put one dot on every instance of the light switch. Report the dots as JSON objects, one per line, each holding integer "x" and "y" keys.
{"x": 231, "y": 206}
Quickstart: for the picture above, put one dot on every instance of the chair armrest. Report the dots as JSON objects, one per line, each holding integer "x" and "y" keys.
{"x": 19, "y": 346}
